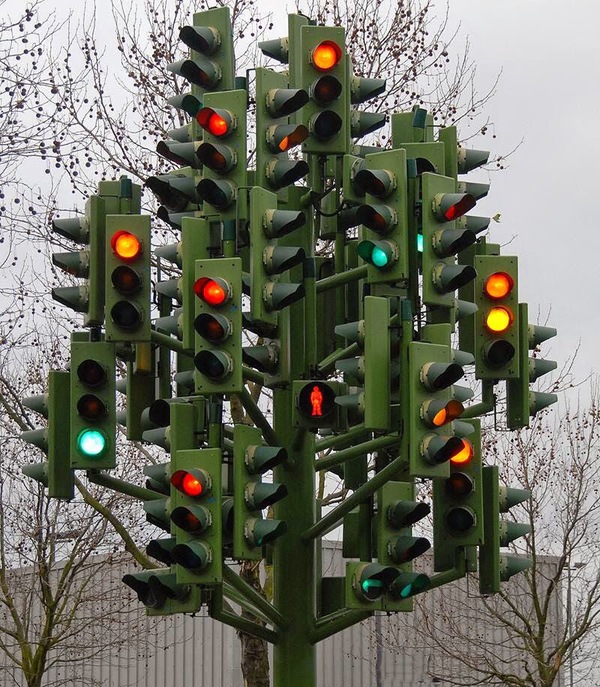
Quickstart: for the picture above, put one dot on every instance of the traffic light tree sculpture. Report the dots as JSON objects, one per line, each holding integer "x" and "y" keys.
{"x": 362, "y": 384}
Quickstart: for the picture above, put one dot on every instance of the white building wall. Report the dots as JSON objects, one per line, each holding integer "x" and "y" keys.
{"x": 133, "y": 650}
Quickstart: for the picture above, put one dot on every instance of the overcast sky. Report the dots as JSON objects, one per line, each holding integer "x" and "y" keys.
{"x": 547, "y": 198}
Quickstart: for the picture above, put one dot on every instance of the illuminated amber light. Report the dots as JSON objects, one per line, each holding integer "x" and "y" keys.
{"x": 326, "y": 55}
{"x": 465, "y": 455}
{"x": 125, "y": 245}
{"x": 498, "y": 285}
{"x": 499, "y": 319}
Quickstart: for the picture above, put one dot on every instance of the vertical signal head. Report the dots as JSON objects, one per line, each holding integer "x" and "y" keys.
{"x": 496, "y": 324}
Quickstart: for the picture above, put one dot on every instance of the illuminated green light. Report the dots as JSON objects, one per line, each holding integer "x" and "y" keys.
{"x": 420, "y": 243}
{"x": 380, "y": 254}
{"x": 91, "y": 443}
{"x": 379, "y": 257}
{"x": 369, "y": 584}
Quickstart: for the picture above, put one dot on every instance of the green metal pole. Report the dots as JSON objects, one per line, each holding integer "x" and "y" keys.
{"x": 294, "y": 655}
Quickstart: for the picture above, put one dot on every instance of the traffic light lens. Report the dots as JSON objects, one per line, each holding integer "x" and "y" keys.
{"x": 91, "y": 372}
{"x": 326, "y": 55}
{"x": 191, "y": 485}
{"x": 91, "y": 407}
{"x": 126, "y": 280}
{"x": 460, "y": 519}
{"x": 499, "y": 285}
{"x": 499, "y": 319}
{"x": 451, "y": 411}
{"x": 125, "y": 245}
{"x": 212, "y": 291}
{"x": 216, "y": 123}
{"x": 213, "y": 328}
{"x": 316, "y": 400}
{"x": 326, "y": 90}
{"x": 126, "y": 315}
{"x": 326, "y": 124}
{"x": 379, "y": 257}
{"x": 459, "y": 208}
{"x": 215, "y": 365}
{"x": 91, "y": 443}
{"x": 372, "y": 589}
{"x": 459, "y": 484}
{"x": 465, "y": 455}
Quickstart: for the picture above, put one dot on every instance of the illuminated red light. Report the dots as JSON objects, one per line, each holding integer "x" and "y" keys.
{"x": 316, "y": 401}
{"x": 216, "y": 122}
{"x": 125, "y": 245}
{"x": 191, "y": 485}
{"x": 212, "y": 291}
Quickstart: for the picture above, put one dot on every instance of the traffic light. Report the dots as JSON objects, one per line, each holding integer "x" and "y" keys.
{"x": 325, "y": 76}
{"x": 160, "y": 593}
{"x": 222, "y": 151}
{"x": 128, "y": 283}
{"x": 275, "y": 135}
{"x": 384, "y": 245}
{"x": 314, "y": 403}
{"x": 87, "y": 264}
{"x": 373, "y": 369}
{"x": 397, "y": 512}
{"x": 495, "y": 566}
{"x": 361, "y": 90}
{"x": 458, "y": 503}
{"x": 177, "y": 194}
{"x": 496, "y": 321}
{"x": 218, "y": 325}
{"x": 196, "y": 501}
{"x": 372, "y": 586}
{"x": 429, "y": 409}
{"x": 251, "y": 459}
{"x": 56, "y": 473}
{"x": 521, "y": 402}
{"x": 210, "y": 65}
{"x": 93, "y": 405}
{"x": 440, "y": 207}
{"x": 269, "y": 293}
